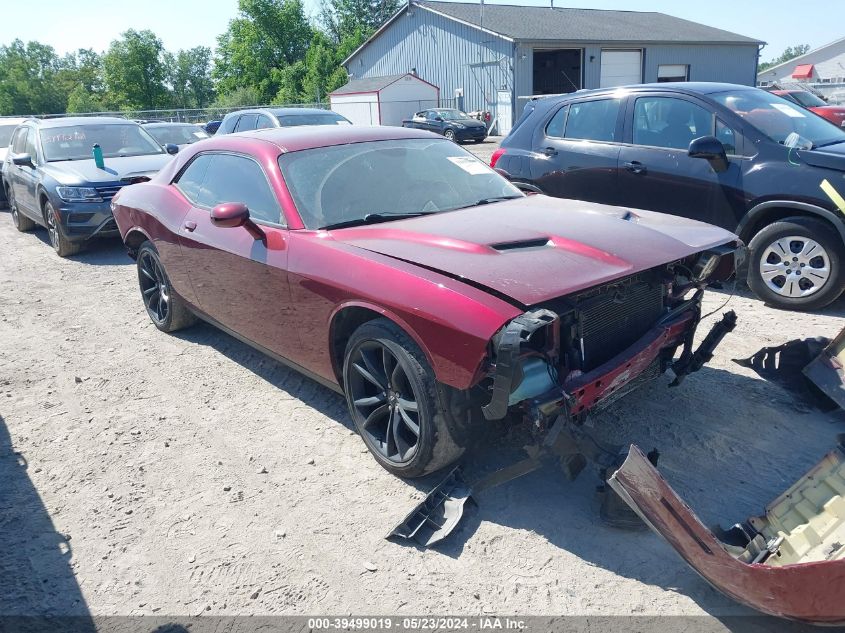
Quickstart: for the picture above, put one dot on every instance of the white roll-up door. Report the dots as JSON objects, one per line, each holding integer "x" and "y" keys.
{"x": 621, "y": 68}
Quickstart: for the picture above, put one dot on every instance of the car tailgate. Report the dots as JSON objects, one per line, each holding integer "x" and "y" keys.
{"x": 798, "y": 541}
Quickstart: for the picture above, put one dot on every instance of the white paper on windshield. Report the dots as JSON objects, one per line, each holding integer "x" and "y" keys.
{"x": 470, "y": 165}
{"x": 788, "y": 110}
{"x": 200, "y": 134}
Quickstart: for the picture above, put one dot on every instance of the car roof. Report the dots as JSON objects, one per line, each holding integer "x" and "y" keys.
{"x": 281, "y": 111}
{"x": 681, "y": 87}
{"x": 13, "y": 120}
{"x": 291, "y": 139}
{"x": 171, "y": 124}
{"x": 81, "y": 120}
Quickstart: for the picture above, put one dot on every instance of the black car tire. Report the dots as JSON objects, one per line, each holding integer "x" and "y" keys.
{"x": 21, "y": 222}
{"x": 167, "y": 310}
{"x": 63, "y": 246}
{"x": 439, "y": 442}
{"x": 450, "y": 135}
{"x": 810, "y": 228}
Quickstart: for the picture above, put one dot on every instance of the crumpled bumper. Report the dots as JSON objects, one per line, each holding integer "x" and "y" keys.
{"x": 803, "y": 527}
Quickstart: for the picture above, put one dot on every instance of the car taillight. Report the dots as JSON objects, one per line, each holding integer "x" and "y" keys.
{"x": 496, "y": 156}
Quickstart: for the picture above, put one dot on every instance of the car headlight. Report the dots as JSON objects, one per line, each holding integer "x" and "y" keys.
{"x": 78, "y": 194}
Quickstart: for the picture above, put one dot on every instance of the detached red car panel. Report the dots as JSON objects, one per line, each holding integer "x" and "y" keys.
{"x": 789, "y": 562}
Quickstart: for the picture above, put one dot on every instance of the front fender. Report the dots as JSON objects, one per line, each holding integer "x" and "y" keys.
{"x": 760, "y": 210}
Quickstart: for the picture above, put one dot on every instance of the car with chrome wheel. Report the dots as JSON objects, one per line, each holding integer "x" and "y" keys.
{"x": 394, "y": 267}
{"x": 741, "y": 158}
{"x": 62, "y": 174}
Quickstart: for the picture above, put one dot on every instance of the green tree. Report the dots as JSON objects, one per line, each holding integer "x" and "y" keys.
{"x": 264, "y": 38}
{"x": 134, "y": 71}
{"x": 29, "y": 79}
{"x": 343, "y": 18}
{"x": 189, "y": 75}
{"x": 81, "y": 99}
{"x": 791, "y": 52}
{"x": 238, "y": 98}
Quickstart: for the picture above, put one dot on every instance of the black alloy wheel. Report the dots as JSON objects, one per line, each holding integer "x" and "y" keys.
{"x": 155, "y": 289}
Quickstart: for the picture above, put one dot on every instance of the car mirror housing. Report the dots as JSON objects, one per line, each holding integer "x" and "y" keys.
{"x": 171, "y": 148}
{"x": 710, "y": 149}
{"x": 438, "y": 118}
{"x": 235, "y": 214}
{"x": 23, "y": 160}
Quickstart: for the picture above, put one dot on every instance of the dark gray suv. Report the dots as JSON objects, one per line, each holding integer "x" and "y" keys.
{"x": 52, "y": 178}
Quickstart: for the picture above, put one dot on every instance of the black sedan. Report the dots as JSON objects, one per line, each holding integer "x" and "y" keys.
{"x": 453, "y": 124}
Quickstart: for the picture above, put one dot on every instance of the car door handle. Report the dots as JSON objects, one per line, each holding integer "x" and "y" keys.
{"x": 189, "y": 226}
{"x": 636, "y": 167}
{"x": 550, "y": 151}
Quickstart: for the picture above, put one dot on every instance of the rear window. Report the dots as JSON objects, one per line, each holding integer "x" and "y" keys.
{"x": 593, "y": 120}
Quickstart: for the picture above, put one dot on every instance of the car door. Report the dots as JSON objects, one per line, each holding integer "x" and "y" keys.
{"x": 23, "y": 177}
{"x": 655, "y": 170}
{"x": 576, "y": 154}
{"x": 432, "y": 124}
{"x": 29, "y": 175}
{"x": 240, "y": 282}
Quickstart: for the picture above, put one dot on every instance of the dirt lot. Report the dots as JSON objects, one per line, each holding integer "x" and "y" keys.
{"x": 144, "y": 473}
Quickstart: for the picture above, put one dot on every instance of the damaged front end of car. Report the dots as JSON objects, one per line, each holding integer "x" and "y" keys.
{"x": 585, "y": 351}
{"x": 789, "y": 562}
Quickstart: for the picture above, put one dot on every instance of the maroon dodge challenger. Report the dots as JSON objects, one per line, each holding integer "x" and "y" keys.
{"x": 393, "y": 266}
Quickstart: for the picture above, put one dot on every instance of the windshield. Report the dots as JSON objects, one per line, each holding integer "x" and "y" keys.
{"x": 177, "y": 134}
{"x": 781, "y": 120}
{"x": 329, "y": 118}
{"x": 345, "y": 183}
{"x": 74, "y": 142}
{"x": 6, "y": 134}
{"x": 807, "y": 99}
{"x": 452, "y": 115}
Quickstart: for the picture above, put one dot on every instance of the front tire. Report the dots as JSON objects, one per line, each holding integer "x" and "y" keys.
{"x": 796, "y": 264}
{"x": 63, "y": 246}
{"x": 21, "y": 222}
{"x": 166, "y": 309}
{"x": 450, "y": 135}
{"x": 396, "y": 402}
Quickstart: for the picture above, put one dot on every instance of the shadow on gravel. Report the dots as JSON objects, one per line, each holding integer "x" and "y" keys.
{"x": 36, "y": 579}
{"x": 98, "y": 252}
{"x": 836, "y": 309}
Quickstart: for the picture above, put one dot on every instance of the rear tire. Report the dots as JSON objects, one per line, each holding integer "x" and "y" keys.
{"x": 796, "y": 264}
{"x": 63, "y": 246}
{"x": 397, "y": 405}
{"x": 166, "y": 309}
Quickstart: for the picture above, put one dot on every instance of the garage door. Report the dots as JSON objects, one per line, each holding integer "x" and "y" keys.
{"x": 620, "y": 68}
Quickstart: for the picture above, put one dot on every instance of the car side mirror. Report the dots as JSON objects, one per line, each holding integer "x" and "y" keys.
{"x": 171, "y": 148}
{"x": 439, "y": 118}
{"x": 235, "y": 214}
{"x": 23, "y": 160}
{"x": 710, "y": 149}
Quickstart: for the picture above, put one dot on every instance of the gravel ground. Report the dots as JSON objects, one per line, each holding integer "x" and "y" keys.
{"x": 153, "y": 474}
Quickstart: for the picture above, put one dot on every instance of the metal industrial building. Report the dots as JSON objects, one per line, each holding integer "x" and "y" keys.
{"x": 494, "y": 57}
{"x": 822, "y": 68}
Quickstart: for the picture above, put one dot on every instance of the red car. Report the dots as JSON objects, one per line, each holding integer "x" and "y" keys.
{"x": 834, "y": 114}
{"x": 391, "y": 265}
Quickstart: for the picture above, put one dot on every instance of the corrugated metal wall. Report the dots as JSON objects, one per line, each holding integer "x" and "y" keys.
{"x": 446, "y": 53}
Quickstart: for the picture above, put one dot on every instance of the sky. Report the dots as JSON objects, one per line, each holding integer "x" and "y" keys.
{"x": 67, "y": 25}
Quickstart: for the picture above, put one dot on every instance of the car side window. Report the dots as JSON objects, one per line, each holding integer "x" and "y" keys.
{"x": 231, "y": 178}
{"x": 19, "y": 144}
{"x": 264, "y": 122}
{"x": 430, "y": 115}
{"x": 669, "y": 122}
{"x": 593, "y": 120}
{"x": 247, "y": 122}
{"x": 190, "y": 181}
{"x": 228, "y": 125}
{"x": 30, "y": 147}
{"x": 730, "y": 138}
{"x": 558, "y": 122}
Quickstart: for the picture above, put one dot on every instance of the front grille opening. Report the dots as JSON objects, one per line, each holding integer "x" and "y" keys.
{"x": 79, "y": 218}
{"x": 615, "y": 318}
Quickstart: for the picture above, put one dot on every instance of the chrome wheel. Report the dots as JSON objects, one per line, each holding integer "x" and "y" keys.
{"x": 449, "y": 134}
{"x": 154, "y": 287}
{"x": 795, "y": 266}
{"x": 384, "y": 402}
{"x": 14, "y": 209}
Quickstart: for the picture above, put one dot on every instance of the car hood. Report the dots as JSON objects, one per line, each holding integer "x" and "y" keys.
{"x": 537, "y": 248}
{"x": 830, "y": 157}
{"x": 81, "y": 172}
{"x": 468, "y": 122}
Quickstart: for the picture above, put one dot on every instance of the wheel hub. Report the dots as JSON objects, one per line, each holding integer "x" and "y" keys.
{"x": 795, "y": 266}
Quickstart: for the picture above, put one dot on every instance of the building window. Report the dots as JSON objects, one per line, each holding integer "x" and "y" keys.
{"x": 672, "y": 72}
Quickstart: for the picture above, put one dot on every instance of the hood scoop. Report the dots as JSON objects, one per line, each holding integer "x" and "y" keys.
{"x": 521, "y": 245}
